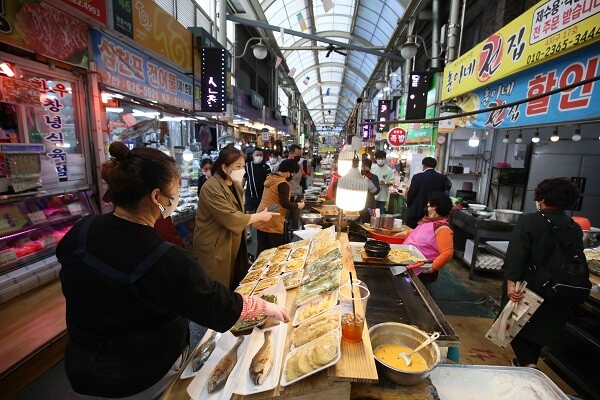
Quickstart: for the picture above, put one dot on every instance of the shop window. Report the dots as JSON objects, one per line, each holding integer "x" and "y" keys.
{"x": 53, "y": 122}
{"x": 9, "y": 125}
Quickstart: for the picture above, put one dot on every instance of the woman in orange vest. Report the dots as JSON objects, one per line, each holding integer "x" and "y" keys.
{"x": 276, "y": 194}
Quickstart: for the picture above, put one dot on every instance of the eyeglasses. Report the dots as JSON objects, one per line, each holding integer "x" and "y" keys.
{"x": 170, "y": 197}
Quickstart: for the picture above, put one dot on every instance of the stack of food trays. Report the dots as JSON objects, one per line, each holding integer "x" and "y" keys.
{"x": 322, "y": 274}
{"x": 315, "y": 339}
{"x": 285, "y": 262}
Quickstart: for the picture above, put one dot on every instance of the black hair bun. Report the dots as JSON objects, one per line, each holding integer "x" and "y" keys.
{"x": 119, "y": 151}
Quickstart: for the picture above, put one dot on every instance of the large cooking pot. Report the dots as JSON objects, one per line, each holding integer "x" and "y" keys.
{"x": 394, "y": 332}
{"x": 508, "y": 216}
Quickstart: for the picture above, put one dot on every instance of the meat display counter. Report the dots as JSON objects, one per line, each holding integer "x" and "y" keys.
{"x": 30, "y": 228}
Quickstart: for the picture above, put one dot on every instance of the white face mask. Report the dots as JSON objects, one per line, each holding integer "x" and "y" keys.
{"x": 207, "y": 174}
{"x": 537, "y": 205}
{"x": 381, "y": 163}
{"x": 168, "y": 210}
{"x": 258, "y": 159}
{"x": 238, "y": 175}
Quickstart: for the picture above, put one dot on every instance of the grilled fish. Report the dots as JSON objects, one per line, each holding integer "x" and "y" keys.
{"x": 204, "y": 352}
{"x": 223, "y": 369}
{"x": 262, "y": 362}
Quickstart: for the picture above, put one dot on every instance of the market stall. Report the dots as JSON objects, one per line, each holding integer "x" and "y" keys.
{"x": 397, "y": 298}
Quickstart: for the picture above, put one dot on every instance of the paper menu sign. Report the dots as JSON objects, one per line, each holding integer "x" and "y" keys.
{"x": 37, "y": 216}
{"x": 75, "y": 167}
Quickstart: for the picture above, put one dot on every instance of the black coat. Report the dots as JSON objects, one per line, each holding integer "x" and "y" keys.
{"x": 421, "y": 186}
{"x": 531, "y": 243}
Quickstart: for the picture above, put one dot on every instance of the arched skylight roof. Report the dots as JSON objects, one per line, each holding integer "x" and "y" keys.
{"x": 329, "y": 85}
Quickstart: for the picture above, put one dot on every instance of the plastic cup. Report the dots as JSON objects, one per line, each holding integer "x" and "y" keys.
{"x": 353, "y": 317}
{"x": 375, "y": 222}
{"x": 397, "y": 223}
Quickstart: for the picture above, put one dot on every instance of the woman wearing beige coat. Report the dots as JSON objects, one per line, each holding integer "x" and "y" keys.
{"x": 221, "y": 222}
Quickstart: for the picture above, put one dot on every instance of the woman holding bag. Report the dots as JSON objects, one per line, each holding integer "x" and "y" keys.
{"x": 532, "y": 242}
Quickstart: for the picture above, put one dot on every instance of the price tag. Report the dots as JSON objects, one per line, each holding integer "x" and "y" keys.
{"x": 74, "y": 208}
{"x": 4, "y": 225}
{"x": 37, "y": 216}
{"x": 48, "y": 241}
{"x": 7, "y": 256}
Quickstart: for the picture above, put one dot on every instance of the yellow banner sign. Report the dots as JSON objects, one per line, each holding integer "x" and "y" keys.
{"x": 547, "y": 30}
{"x": 156, "y": 30}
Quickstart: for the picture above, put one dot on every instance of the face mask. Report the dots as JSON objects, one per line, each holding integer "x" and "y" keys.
{"x": 207, "y": 174}
{"x": 289, "y": 178}
{"x": 168, "y": 210}
{"x": 537, "y": 205}
{"x": 381, "y": 163}
{"x": 238, "y": 175}
{"x": 258, "y": 159}
{"x": 297, "y": 158}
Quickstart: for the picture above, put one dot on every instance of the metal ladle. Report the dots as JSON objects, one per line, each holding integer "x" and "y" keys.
{"x": 407, "y": 357}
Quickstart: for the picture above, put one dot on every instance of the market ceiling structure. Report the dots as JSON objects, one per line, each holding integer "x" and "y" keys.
{"x": 330, "y": 74}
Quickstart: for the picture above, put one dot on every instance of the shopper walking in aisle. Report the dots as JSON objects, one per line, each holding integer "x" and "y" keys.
{"x": 365, "y": 170}
{"x": 129, "y": 294}
{"x": 256, "y": 174}
{"x": 295, "y": 153}
{"x": 277, "y": 193}
{"x": 532, "y": 243}
{"x": 205, "y": 168}
{"x": 421, "y": 186}
{"x": 385, "y": 174}
{"x": 220, "y": 231}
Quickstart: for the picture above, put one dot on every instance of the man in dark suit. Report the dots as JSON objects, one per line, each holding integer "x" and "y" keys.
{"x": 421, "y": 185}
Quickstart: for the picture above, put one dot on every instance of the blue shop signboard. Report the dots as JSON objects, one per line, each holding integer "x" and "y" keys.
{"x": 571, "y": 105}
{"x": 131, "y": 71}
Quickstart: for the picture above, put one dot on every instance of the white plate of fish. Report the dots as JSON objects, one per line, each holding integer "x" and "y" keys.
{"x": 213, "y": 383}
{"x": 311, "y": 358}
{"x": 261, "y": 366}
{"x": 205, "y": 347}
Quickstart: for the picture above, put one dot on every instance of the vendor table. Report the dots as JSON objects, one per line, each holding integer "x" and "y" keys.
{"x": 401, "y": 298}
{"x": 466, "y": 226}
{"x": 357, "y": 363}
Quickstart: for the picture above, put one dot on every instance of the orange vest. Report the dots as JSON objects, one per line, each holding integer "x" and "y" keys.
{"x": 270, "y": 197}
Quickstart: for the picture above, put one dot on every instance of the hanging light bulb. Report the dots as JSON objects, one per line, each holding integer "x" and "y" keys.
{"x": 505, "y": 140}
{"x": 577, "y": 135}
{"x": 519, "y": 138}
{"x": 187, "y": 155}
{"x": 555, "y": 137}
{"x": 474, "y": 141}
{"x": 536, "y": 137}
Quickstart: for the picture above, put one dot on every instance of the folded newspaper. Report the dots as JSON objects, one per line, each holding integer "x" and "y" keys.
{"x": 513, "y": 317}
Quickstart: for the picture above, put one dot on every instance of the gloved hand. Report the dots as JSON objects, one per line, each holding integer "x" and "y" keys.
{"x": 276, "y": 311}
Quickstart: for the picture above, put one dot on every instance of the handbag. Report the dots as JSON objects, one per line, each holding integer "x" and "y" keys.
{"x": 513, "y": 317}
{"x": 564, "y": 277}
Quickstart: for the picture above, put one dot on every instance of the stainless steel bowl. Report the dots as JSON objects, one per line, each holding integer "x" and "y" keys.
{"x": 590, "y": 238}
{"x": 508, "y": 216}
{"x": 311, "y": 218}
{"x": 394, "y": 332}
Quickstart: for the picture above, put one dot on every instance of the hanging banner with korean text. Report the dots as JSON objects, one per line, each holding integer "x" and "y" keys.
{"x": 546, "y": 31}
{"x": 572, "y": 105}
{"x": 383, "y": 114}
{"x": 152, "y": 27}
{"x": 131, "y": 71}
{"x": 44, "y": 30}
{"x": 213, "y": 80}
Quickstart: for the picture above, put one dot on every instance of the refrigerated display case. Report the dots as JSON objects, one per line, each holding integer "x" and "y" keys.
{"x": 30, "y": 228}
